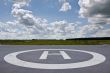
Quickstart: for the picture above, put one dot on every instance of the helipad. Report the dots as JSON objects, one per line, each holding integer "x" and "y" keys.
{"x": 95, "y": 60}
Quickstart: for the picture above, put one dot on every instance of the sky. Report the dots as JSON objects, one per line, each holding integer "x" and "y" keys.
{"x": 54, "y": 19}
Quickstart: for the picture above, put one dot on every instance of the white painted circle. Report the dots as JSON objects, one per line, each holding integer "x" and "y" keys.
{"x": 96, "y": 59}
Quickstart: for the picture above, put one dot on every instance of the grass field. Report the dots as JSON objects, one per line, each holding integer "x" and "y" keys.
{"x": 54, "y": 42}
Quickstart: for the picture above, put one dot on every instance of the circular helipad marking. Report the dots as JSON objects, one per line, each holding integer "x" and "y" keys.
{"x": 97, "y": 59}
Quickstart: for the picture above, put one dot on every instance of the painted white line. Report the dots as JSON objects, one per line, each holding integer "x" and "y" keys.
{"x": 96, "y": 59}
{"x": 44, "y": 55}
{"x": 65, "y": 55}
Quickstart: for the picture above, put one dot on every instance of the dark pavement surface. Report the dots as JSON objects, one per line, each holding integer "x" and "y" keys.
{"x": 76, "y": 57}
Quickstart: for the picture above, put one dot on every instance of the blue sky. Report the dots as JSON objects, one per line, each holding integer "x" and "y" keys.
{"x": 48, "y": 9}
{"x": 54, "y": 18}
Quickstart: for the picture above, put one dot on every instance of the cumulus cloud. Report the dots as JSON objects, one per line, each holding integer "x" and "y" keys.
{"x": 39, "y": 26}
{"x": 103, "y": 33}
{"x": 26, "y": 17}
{"x": 23, "y": 16}
{"x": 22, "y": 3}
{"x": 98, "y": 14}
{"x": 97, "y": 11}
{"x": 89, "y": 30}
{"x": 65, "y": 6}
{"x": 63, "y": 27}
{"x": 54, "y": 30}
{"x": 28, "y": 26}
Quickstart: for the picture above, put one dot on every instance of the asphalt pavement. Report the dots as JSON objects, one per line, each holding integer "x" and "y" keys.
{"x": 55, "y": 59}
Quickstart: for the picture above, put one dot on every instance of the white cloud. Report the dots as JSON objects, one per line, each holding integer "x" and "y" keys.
{"x": 26, "y": 17}
{"x": 63, "y": 27}
{"x": 97, "y": 11}
{"x": 103, "y": 33}
{"x": 22, "y": 2}
{"x": 98, "y": 14}
{"x": 89, "y": 30}
{"x": 54, "y": 30}
{"x": 65, "y": 6}
{"x": 28, "y": 26}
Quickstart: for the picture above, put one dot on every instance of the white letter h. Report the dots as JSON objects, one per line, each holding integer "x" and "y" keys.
{"x": 62, "y": 53}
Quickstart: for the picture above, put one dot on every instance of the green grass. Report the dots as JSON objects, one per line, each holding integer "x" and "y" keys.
{"x": 54, "y": 42}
